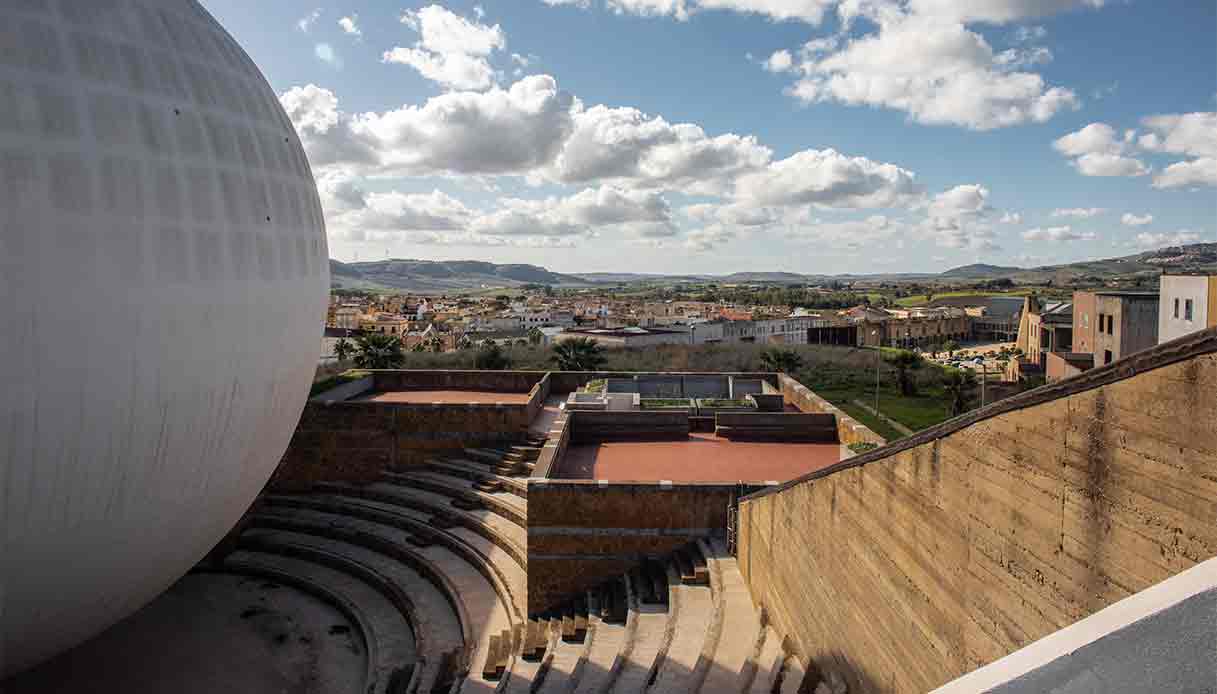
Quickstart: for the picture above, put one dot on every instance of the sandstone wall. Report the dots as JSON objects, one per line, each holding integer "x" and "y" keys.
{"x": 906, "y": 567}
{"x": 849, "y": 430}
{"x": 355, "y": 441}
{"x": 581, "y": 533}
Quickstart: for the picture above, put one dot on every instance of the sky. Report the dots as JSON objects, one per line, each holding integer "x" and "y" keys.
{"x": 714, "y": 136}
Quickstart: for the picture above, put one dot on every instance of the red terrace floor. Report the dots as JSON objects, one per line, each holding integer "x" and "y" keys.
{"x": 447, "y": 397}
{"x": 701, "y": 458}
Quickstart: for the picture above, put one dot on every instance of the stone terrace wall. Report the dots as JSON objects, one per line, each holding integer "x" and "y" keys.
{"x": 582, "y": 533}
{"x": 492, "y": 381}
{"x": 356, "y": 441}
{"x": 849, "y": 430}
{"x": 637, "y": 425}
{"x": 567, "y": 381}
{"x": 911, "y": 565}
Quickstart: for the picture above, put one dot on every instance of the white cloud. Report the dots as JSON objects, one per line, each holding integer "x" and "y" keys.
{"x": 708, "y": 239}
{"x": 998, "y": 11}
{"x": 1189, "y": 134}
{"x": 827, "y": 178}
{"x": 1131, "y": 220}
{"x": 1078, "y": 212}
{"x": 1097, "y": 150}
{"x": 811, "y": 11}
{"x": 1180, "y": 238}
{"x": 626, "y": 145}
{"x": 935, "y": 69}
{"x": 306, "y": 22}
{"x": 1011, "y": 218}
{"x": 780, "y": 61}
{"x": 500, "y": 131}
{"x": 350, "y": 25}
{"x": 1025, "y": 34}
{"x": 584, "y": 4}
{"x": 451, "y": 51}
{"x": 479, "y": 11}
{"x": 1058, "y": 234}
{"x": 1183, "y": 174}
{"x": 326, "y": 54}
{"x": 956, "y": 218}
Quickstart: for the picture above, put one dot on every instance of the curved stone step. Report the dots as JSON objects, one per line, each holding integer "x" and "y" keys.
{"x": 768, "y": 663}
{"x": 440, "y": 632}
{"x": 388, "y": 638}
{"x": 457, "y": 468}
{"x": 692, "y": 608}
{"x": 498, "y": 566}
{"x": 511, "y": 537}
{"x": 505, "y": 504}
{"x": 650, "y": 623}
{"x": 568, "y": 659}
{"x": 741, "y": 623}
{"x": 606, "y": 643}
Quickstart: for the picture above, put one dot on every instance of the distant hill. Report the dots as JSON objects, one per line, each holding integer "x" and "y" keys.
{"x": 464, "y": 275}
{"x": 441, "y": 275}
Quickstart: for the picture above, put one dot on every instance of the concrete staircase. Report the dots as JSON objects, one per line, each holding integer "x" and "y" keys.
{"x": 437, "y": 556}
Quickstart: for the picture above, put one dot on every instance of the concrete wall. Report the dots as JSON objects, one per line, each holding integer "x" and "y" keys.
{"x": 1136, "y": 326}
{"x": 582, "y": 533}
{"x": 591, "y": 426}
{"x": 1163, "y": 639}
{"x": 777, "y": 426}
{"x": 908, "y": 566}
{"x": 356, "y": 441}
{"x": 1181, "y": 288}
{"x": 554, "y": 448}
{"x": 849, "y": 430}
{"x": 1085, "y": 322}
{"x": 439, "y": 379}
{"x": 566, "y": 381}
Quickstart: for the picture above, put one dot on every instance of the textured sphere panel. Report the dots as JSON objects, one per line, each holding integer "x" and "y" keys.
{"x": 163, "y": 278}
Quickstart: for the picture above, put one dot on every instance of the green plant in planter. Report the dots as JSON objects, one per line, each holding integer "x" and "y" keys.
{"x": 862, "y": 446}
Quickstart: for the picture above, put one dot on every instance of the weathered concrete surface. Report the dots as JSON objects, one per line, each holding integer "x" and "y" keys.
{"x": 911, "y": 565}
{"x": 638, "y": 425}
{"x": 849, "y": 430}
{"x": 1163, "y": 639}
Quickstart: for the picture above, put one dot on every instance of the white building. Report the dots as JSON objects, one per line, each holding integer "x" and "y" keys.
{"x": 1187, "y": 303}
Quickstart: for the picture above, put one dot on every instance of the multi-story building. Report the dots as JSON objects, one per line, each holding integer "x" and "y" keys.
{"x": 1113, "y": 324}
{"x": 1187, "y": 303}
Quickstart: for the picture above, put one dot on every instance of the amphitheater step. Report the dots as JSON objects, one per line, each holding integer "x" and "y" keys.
{"x": 507, "y": 535}
{"x": 441, "y": 635}
{"x": 692, "y": 608}
{"x": 740, "y": 625}
{"x": 478, "y": 474}
{"x": 567, "y": 662}
{"x": 468, "y": 544}
{"x": 507, "y": 505}
{"x": 793, "y": 676}
{"x": 386, "y": 632}
{"x": 768, "y": 663}
{"x": 644, "y": 641}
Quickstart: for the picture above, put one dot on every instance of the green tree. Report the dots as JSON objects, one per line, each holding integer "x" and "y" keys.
{"x": 951, "y": 347}
{"x": 579, "y": 354}
{"x": 343, "y": 349}
{"x": 956, "y": 384}
{"x": 781, "y": 359}
{"x": 464, "y": 343}
{"x": 906, "y": 363}
{"x": 535, "y": 336}
{"x": 491, "y": 356}
{"x": 418, "y": 347}
{"x": 379, "y": 351}
{"x": 435, "y": 344}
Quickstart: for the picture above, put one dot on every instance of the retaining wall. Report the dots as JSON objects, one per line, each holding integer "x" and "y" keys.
{"x": 584, "y": 532}
{"x": 639, "y": 425}
{"x": 777, "y": 426}
{"x": 849, "y": 430}
{"x": 910, "y": 565}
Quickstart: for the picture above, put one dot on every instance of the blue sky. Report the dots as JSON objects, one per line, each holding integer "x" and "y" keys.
{"x": 723, "y": 135}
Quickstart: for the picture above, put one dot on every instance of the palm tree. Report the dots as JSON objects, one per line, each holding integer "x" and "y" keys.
{"x": 783, "y": 360}
{"x": 951, "y": 347}
{"x": 435, "y": 344}
{"x": 343, "y": 349}
{"x": 579, "y": 354}
{"x": 906, "y": 362}
{"x": 956, "y": 384}
{"x": 535, "y": 336}
{"x": 379, "y": 351}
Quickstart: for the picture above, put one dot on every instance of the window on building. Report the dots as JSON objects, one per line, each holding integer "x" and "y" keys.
{"x": 1107, "y": 356}
{"x": 1100, "y": 322}
{"x": 1187, "y": 310}
{"x": 1176, "y": 308}
{"x": 1110, "y": 325}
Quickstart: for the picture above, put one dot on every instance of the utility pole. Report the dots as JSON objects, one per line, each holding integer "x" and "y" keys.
{"x": 984, "y": 373}
{"x": 878, "y": 360}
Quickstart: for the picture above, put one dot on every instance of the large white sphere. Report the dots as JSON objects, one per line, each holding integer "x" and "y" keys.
{"x": 163, "y": 274}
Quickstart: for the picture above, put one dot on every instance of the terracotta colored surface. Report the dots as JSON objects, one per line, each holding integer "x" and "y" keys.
{"x": 701, "y": 458}
{"x": 446, "y": 397}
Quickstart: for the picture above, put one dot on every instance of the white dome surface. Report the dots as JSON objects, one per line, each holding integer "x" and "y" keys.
{"x": 163, "y": 278}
